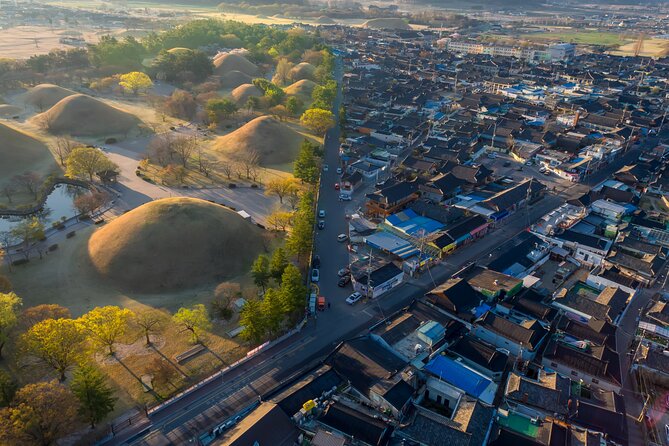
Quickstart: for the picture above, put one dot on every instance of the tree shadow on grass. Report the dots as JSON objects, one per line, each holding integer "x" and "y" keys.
{"x": 215, "y": 355}
{"x": 134, "y": 375}
{"x": 172, "y": 363}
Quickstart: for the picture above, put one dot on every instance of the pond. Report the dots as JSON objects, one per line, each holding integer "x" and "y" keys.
{"x": 59, "y": 204}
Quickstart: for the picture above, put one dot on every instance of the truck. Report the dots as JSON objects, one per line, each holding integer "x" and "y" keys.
{"x": 321, "y": 303}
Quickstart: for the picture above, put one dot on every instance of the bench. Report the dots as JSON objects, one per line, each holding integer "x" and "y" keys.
{"x": 188, "y": 354}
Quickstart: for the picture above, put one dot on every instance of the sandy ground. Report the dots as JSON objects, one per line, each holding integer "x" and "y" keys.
{"x": 650, "y": 48}
{"x": 24, "y": 41}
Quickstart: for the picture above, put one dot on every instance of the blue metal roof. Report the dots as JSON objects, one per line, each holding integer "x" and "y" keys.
{"x": 411, "y": 223}
{"x": 433, "y": 330}
{"x": 458, "y": 375}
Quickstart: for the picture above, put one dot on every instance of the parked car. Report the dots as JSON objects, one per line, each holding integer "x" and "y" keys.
{"x": 353, "y": 298}
{"x": 342, "y": 237}
{"x": 528, "y": 163}
{"x": 344, "y": 281}
{"x": 339, "y": 170}
{"x": 325, "y": 168}
{"x": 492, "y": 155}
{"x": 321, "y": 224}
{"x": 321, "y": 214}
{"x": 344, "y": 197}
{"x": 507, "y": 163}
{"x": 336, "y": 186}
{"x": 316, "y": 261}
{"x": 315, "y": 275}
{"x": 666, "y": 432}
{"x": 343, "y": 272}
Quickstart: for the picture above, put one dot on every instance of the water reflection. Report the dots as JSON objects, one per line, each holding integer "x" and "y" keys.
{"x": 59, "y": 205}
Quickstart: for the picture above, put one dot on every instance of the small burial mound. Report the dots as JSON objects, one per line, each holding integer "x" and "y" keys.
{"x": 302, "y": 88}
{"x": 242, "y": 93}
{"x": 7, "y": 110}
{"x": 179, "y": 50}
{"x": 325, "y": 20}
{"x": 234, "y": 62}
{"x": 44, "y": 96}
{"x": 174, "y": 243}
{"x": 389, "y": 23}
{"x": 83, "y": 115}
{"x": 233, "y": 79}
{"x": 20, "y": 152}
{"x": 274, "y": 142}
{"x": 303, "y": 70}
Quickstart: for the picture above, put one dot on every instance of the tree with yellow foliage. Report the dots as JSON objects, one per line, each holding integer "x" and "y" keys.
{"x": 135, "y": 81}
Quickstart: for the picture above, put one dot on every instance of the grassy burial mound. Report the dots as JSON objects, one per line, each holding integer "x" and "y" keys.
{"x": 45, "y": 96}
{"x": 389, "y": 23}
{"x": 274, "y": 142}
{"x": 179, "y": 50}
{"x": 234, "y": 62}
{"x": 20, "y": 152}
{"x": 325, "y": 20}
{"x": 7, "y": 111}
{"x": 82, "y": 115}
{"x": 174, "y": 243}
{"x": 242, "y": 93}
{"x": 233, "y": 79}
{"x": 301, "y": 89}
{"x": 303, "y": 70}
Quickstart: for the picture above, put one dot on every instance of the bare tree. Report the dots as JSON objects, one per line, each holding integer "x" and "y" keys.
{"x": 30, "y": 181}
{"x": 8, "y": 190}
{"x": 227, "y": 169}
{"x": 204, "y": 164}
{"x": 183, "y": 147}
{"x": 150, "y": 322}
{"x": 161, "y": 149}
{"x": 249, "y": 162}
{"x": 63, "y": 147}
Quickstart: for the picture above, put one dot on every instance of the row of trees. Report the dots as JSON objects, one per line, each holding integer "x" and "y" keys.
{"x": 265, "y": 318}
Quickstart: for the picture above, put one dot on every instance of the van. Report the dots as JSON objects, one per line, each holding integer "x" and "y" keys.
{"x": 312, "y": 303}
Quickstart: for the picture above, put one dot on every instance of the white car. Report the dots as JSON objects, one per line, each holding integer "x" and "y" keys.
{"x": 342, "y": 237}
{"x": 353, "y": 298}
{"x": 492, "y": 155}
{"x": 339, "y": 170}
{"x": 315, "y": 275}
{"x": 343, "y": 272}
{"x": 325, "y": 168}
{"x": 344, "y": 197}
{"x": 321, "y": 214}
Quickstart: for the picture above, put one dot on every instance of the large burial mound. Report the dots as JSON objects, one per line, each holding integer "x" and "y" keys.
{"x": 20, "y": 152}
{"x": 234, "y": 62}
{"x": 44, "y": 96}
{"x": 7, "y": 110}
{"x": 85, "y": 116}
{"x": 242, "y": 93}
{"x": 174, "y": 243}
{"x": 389, "y": 23}
{"x": 274, "y": 142}
{"x": 233, "y": 79}
{"x": 303, "y": 70}
{"x": 302, "y": 88}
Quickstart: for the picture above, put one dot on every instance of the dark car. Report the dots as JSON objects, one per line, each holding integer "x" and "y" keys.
{"x": 321, "y": 224}
{"x": 507, "y": 163}
{"x": 316, "y": 262}
{"x": 344, "y": 281}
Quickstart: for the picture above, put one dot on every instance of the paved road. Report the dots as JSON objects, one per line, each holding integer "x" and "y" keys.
{"x": 185, "y": 420}
{"x": 134, "y": 191}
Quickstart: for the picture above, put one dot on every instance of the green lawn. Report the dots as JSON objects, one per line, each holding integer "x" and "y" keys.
{"x": 582, "y": 37}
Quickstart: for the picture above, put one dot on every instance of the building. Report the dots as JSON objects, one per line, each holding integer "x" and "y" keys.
{"x": 557, "y": 52}
{"x": 380, "y": 280}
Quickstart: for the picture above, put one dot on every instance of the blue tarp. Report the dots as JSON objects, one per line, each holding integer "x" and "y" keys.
{"x": 458, "y": 375}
